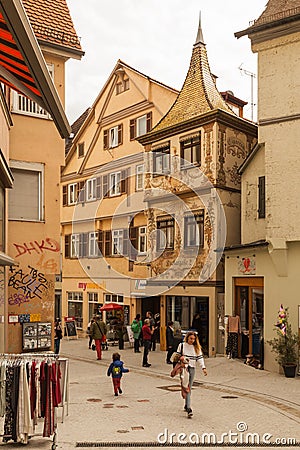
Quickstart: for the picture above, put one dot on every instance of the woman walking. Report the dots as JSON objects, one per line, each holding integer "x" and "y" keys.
{"x": 191, "y": 350}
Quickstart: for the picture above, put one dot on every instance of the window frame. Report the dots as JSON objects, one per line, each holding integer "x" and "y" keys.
{"x": 72, "y": 192}
{"x": 39, "y": 169}
{"x": 196, "y": 220}
{"x": 169, "y": 225}
{"x": 139, "y": 177}
{"x": 75, "y": 245}
{"x": 116, "y": 298}
{"x": 115, "y": 187}
{"x": 93, "y": 251}
{"x": 90, "y": 188}
{"x": 163, "y": 154}
{"x": 262, "y": 197}
{"x": 142, "y": 236}
{"x": 117, "y": 237}
{"x": 76, "y": 297}
{"x": 190, "y": 144}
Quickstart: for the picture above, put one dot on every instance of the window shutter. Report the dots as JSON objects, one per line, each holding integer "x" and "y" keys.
{"x": 132, "y": 129}
{"x": 105, "y": 192}
{"x": 107, "y": 243}
{"x": 67, "y": 245}
{"x": 261, "y": 198}
{"x": 81, "y": 189}
{"x": 100, "y": 242}
{"x": 98, "y": 187}
{"x": 65, "y": 195}
{"x": 125, "y": 241}
{"x": 120, "y": 134}
{"x": 149, "y": 121}
{"x": 123, "y": 181}
{"x": 83, "y": 244}
{"x": 133, "y": 233}
{"x": 105, "y": 139}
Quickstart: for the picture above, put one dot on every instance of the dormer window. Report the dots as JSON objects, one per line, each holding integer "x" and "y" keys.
{"x": 80, "y": 150}
{"x": 122, "y": 86}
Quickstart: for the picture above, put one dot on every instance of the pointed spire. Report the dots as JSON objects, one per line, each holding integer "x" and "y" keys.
{"x": 199, "y": 38}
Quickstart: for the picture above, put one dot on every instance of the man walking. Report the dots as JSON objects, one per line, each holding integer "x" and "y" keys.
{"x": 147, "y": 334}
{"x": 98, "y": 330}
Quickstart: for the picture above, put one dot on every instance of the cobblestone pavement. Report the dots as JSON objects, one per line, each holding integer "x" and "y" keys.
{"x": 233, "y": 398}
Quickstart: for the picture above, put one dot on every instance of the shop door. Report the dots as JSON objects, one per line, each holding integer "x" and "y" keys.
{"x": 249, "y": 305}
{"x": 202, "y": 308}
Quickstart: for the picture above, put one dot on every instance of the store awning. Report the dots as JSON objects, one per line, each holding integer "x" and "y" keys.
{"x": 22, "y": 65}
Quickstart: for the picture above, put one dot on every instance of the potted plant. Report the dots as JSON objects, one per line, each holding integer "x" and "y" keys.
{"x": 285, "y": 344}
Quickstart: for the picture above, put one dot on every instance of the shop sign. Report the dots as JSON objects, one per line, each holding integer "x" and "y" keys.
{"x": 140, "y": 284}
{"x": 247, "y": 266}
{"x": 13, "y": 318}
{"x": 86, "y": 286}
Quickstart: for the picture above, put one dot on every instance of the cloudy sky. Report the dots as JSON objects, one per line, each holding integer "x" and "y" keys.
{"x": 156, "y": 37}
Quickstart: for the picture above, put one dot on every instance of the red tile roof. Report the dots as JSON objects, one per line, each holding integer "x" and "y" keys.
{"x": 51, "y": 22}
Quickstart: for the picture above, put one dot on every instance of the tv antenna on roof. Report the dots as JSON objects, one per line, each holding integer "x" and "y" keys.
{"x": 252, "y": 75}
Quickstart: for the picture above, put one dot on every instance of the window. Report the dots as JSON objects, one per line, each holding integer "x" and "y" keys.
{"x": 93, "y": 244}
{"x": 115, "y": 184}
{"x": 72, "y": 193}
{"x": 161, "y": 161}
{"x": 26, "y": 199}
{"x": 122, "y": 86}
{"x": 75, "y": 302}
{"x": 140, "y": 125}
{"x": 261, "y": 197}
{"x": 142, "y": 242}
{"x": 190, "y": 151}
{"x": 24, "y": 105}
{"x": 139, "y": 177}
{"x": 113, "y": 137}
{"x": 91, "y": 189}
{"x": 93, "y": 304}
{"x": 194, "y": 230}
{"x": 75, "y": 240}
{"x": 80, "y": 150}
{"x": 116, "y": 298}
{"x": 165, "y": 238}
{"x": 117, "y": 242}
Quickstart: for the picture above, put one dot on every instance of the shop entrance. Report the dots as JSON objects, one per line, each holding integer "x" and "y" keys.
{"x": 249, "y": 305}
{"x": 151, "y": 304}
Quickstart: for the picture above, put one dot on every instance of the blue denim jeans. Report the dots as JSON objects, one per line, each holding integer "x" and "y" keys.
{"x": 192, "y": 371}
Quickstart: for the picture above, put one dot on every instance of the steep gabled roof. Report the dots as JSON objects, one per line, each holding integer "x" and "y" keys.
{"x": 52, "y": 23}
{"x": 199, "y": 93}
{"x": 276, "y": 12}
{"x": 75, "y": 127}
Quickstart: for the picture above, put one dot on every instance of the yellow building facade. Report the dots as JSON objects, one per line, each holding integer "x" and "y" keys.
{"x": 102, "y": 213}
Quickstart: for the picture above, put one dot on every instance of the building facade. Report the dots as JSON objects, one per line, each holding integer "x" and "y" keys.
{"x": 192, "y": 193}
{"x": 262, "y": 272}
{"x": 35, "y": 152}
{"x": 102, "y": 217}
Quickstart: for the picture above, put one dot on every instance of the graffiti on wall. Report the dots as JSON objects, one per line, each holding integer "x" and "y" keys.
{"x": 30, "y": 284}
{"x": 45, "y": 245}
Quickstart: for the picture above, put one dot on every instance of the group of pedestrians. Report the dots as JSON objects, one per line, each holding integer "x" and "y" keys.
{"x": 145, "y": 334}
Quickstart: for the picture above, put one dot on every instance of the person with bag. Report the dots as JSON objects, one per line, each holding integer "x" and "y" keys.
{"x": 191, "y": 350}
{"x": 88, "y": 332}
{"x": 57, "y": 336}
{"x": 98, "y": 331}
{"x": 136, "y": 328}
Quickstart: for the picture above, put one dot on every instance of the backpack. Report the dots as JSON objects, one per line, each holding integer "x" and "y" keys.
{"x": 116, "y": 371}
{"x": 135, "y": 327}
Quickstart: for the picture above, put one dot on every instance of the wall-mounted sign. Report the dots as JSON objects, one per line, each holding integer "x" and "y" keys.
{"x": 247, "y": 265}
{"x": 13, "y": 318}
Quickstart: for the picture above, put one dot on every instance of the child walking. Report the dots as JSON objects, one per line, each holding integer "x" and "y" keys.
{"x": 116, "y": 370}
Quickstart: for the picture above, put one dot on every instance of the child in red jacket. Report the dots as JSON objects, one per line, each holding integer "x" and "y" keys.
{"x": 116, "y": 370}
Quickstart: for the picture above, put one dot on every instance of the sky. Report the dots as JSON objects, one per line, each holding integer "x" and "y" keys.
{"x": 156, "y": 37}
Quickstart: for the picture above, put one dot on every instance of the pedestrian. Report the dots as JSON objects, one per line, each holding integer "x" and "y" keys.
{"x": 57, "y": 336}
{"x": 120, "y": 329}
{"x": 152, "y": 327}
{"x": 136, "y": 327}
{"x": 170, "y": 341}
{"x": 147, "y": 334}
{"x": 89, "y": 333}
{"x": 191, "y": 350}
{"x": 98, "y": 331}
{"x": 116, "y": 370}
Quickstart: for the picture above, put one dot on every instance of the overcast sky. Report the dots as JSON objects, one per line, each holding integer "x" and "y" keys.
{"x": 156, "y": 37}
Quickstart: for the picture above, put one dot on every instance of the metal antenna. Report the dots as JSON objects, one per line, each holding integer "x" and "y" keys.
{"x": 252, "y": 75}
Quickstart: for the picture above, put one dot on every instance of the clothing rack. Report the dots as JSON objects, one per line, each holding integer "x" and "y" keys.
{"x": 24, "y": 393}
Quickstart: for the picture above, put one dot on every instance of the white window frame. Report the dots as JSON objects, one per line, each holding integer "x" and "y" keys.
{"x": 141, "y": 125}
{"x": 93, "y": 244}
{"x": 161, "y": 162}
{"x": 193, "y": 231}
{"x": 116, "y": 298}
{"x": 114, "y": 184}
{"x": 76, "y": 297}
{"x": 142, "y": 240}
{"x": 24, "y": 105}
{"x": 91, "y": 189}
{"x": 139, "y": 177}
{"x": 39, "y": 168}
{"x": 74, "y": 247}
{"x": 72, "y": 193}
{"x": 117, "y": 242}
{"x": 113, "y": 137}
